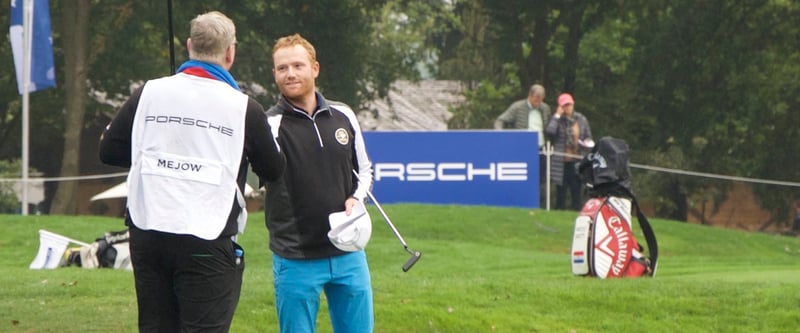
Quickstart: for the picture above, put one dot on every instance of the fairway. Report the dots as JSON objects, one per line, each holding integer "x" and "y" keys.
{"x": 483, "y": 269}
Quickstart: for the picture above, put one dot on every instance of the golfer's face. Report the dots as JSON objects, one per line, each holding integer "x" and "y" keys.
{"x": 294, "y": 72}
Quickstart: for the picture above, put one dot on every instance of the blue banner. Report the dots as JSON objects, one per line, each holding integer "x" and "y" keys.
{"x": 42, "y": 71}
{"x": 495, "y": 168}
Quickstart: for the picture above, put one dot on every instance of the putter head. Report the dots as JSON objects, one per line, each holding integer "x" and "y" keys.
{"x": 411, "y": 261}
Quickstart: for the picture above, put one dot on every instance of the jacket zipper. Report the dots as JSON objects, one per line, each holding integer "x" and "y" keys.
{"x": 314, "y": 122}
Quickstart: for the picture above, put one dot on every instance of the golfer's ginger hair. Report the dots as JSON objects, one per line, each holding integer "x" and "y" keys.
{"x": 296, "y": 39}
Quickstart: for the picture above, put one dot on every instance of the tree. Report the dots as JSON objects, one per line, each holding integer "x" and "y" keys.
{"x": 74, "y": 31}
{"x": 465, "y": 46}
{"x": 704, "y": 71}
{"x": 91, "y": 49}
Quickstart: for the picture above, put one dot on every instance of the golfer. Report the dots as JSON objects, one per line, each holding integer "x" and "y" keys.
{"x": 188, "y": 139}
{"x": 323, "y": 144}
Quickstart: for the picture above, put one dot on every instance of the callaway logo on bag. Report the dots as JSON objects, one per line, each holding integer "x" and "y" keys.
{"x": 603, "y": 243}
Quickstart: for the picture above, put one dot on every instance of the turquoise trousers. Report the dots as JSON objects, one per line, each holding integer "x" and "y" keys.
{"x": 344, "y": 279}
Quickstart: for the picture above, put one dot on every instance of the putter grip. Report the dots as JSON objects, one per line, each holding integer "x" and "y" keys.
{"x": 411, "y": 261}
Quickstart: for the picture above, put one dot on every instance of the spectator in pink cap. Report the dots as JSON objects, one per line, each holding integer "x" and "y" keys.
{"x": 572, "y": 138}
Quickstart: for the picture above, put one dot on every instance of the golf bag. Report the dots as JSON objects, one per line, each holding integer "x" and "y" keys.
{"x": 108, "y": 251}
{"x": 603, "y": 243}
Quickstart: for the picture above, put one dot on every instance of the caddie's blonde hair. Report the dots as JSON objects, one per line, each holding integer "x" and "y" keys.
{"x": 211, "y": 34}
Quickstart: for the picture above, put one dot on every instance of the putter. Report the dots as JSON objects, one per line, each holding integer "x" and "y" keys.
{"x": 415, "y": 255}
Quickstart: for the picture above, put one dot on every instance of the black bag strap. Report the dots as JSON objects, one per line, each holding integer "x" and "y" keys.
{"x": 649, "y": 235}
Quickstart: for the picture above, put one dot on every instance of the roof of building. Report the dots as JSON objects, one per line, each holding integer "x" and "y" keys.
{"x": 413, "y": 106}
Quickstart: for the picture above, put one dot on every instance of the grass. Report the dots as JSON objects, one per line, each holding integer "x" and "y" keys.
{"x": 483, "y": 269}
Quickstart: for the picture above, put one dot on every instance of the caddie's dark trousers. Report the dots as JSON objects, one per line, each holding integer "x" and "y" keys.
{"x": 184, "y": 283}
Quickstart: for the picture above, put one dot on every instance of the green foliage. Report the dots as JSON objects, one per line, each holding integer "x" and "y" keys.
{"x": 9, "y": 203}
{"x": 9, "y": 200}
{"x": 467, "y": 47}
{"x": 605, "y": 91}
{"x": 483, "y": 269}
{"x": 720, "y": 72}
{"x": 676, "y": 196}
{"x": 485, "y": 103}
{"x": 400, "y": 35}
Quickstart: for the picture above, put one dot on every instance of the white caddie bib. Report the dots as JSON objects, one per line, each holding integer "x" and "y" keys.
{"x": 187, "y": 145}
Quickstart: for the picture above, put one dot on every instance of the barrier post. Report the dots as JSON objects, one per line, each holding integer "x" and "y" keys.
{"x": 548, "y": 151}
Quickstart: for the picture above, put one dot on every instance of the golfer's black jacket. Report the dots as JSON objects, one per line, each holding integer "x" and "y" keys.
{"x": 321, "y": 154}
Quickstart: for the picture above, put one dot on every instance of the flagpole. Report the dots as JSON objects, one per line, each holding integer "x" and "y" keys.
{"x": 171, "y": 38}
{"x": 27, "y": 24}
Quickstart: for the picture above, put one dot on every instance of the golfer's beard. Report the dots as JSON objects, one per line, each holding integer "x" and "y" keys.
{"x": 296, "y": 89}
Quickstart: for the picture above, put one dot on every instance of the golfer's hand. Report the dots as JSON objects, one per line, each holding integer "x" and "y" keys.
{"x": 559, "y": 111}
{"x": 348, "y": 205}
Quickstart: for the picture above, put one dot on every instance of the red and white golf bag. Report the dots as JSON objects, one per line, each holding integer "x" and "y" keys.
{"x": 603, "y": 243}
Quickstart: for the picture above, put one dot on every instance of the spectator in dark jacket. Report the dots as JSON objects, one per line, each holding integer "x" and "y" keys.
{"x": 572, "y": 138}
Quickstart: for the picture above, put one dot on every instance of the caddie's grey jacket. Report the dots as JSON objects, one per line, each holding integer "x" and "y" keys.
{"x": 516, "y": 116}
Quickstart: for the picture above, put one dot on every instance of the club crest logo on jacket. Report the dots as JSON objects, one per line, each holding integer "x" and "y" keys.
{"x": 342, "y": 137}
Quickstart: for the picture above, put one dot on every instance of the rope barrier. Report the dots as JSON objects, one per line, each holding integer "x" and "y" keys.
{"x": 49, "y": 179}
{"x": 633, "y": 165}
{"x": 699, "y": 174}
